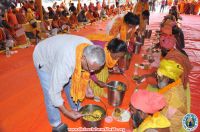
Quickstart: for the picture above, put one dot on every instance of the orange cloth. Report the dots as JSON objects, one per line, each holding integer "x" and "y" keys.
{"x": 21, "y": 18}
{"x": 110, "y": 62}
{"x": 2, "y": 35}
{"x": 12, "y": 19}
{"x": 120, "y": 27}
{"x": 90, "y": 17}
{"x": 63, "y": 20}
{"x": 140, "y": 7}
{"x": 182, "y": 4}
{"x": 55, "y": 24}
{"x": 168, "y": 87}
{"x": 73, "y": 20}
{"x": 148, "y": 102}
{"x": 30, "y": 15}
{"x": 79, "y": 79}
{"x": 184, "y": 61}
{"x": 79, "y": 6}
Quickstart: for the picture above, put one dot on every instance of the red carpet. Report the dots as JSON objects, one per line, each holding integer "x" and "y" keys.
{"x": 22, "y": 105}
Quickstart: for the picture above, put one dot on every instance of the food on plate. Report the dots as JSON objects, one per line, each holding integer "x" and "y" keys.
{"x": 117, "y": 112}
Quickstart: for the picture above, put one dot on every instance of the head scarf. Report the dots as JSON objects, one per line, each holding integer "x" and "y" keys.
{"x": 170, "y": 69}
{"x": 148, "y": 102}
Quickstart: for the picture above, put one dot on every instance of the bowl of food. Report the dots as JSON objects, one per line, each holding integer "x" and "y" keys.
{"x": 116, "y": 92}
{"x": 121, "y": 115}
{"x": 93, "y": 116}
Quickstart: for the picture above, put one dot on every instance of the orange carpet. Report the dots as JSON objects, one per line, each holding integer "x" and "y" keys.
{"x": 21, "y": 99}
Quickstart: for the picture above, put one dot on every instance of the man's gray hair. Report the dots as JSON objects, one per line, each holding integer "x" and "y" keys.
{"x": 94, "y": 54}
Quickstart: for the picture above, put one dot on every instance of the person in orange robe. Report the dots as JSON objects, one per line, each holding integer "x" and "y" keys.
{"x": 55, "y": 22}
{"x": 90, "y": 17}
{"x": 12, "y": 19}
{"x": 124, "y": 27}
{"x": 21, "y": 16}
{"x": 197, "y": 8}
{"x": 96, "y": 14}
{"x": 63, "y": 18}
{"x": 30, "y": 15}
{"x": 182, "y": 3}
{"x": 141, "y": 6}
{"x": 73, "y": 20}
{"x": 64, "y": 21}
{"x": 122, "y": 24}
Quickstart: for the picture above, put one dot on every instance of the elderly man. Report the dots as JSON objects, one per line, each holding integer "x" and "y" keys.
{"x": 170, "y": 84}
{"x": 144, "y": 108}
{"x": 64, "y": 62}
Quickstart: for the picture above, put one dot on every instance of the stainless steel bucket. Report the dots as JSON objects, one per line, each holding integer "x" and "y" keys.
{"x": 115, "y": 96}
{"x": 89, "y": 109}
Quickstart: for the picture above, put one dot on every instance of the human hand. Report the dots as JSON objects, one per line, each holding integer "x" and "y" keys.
{"x": 74, "y": 115}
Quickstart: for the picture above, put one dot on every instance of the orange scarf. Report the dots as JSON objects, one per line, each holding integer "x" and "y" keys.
{"x": 79, "y": 79}
{"x": 170, "y": 86}
{"x": 123, "y": 30}
{"x": 110, "y": 62}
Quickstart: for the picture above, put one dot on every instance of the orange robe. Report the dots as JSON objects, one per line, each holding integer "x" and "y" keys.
{"x": 30, "y": 15}
{"x": 2, "y": 35}
{"x": 12, "y": 19}
{"x": 63, "y": 20}
{"x": 197, "y": 8}
{"x": 182, "y": 4}
{"x": 139, "y": 8}
{"x": 55, "y": 24}
{"x": 120, "y": 27}
{"x": 90, "y": 17}
{"x": 21, "y": 18}
{"x": 73, "y": 20}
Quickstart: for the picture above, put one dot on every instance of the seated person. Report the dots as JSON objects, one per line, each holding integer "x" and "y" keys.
{"x": 96, "y": 14}
{"x": 12, "y": 19}
{"x": 30, "y": 15}
{"x": 55, "y": 22}
{"x": 82, "y": 17}
{"x": 6, "y": 41}
{"x": 179, "y": 57}
{"x": 103, "y": 13}
{"x": 64, "y": 21}
{"x": 73, "y": 20}
{"x": 145, "y": 112}
{"x": 170, "y": 85}
{"x": 51, "y": 12}
{"x": 90, "y": 17}
{"x": 21, "y": 16}
{"x": 45, "y": 27}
